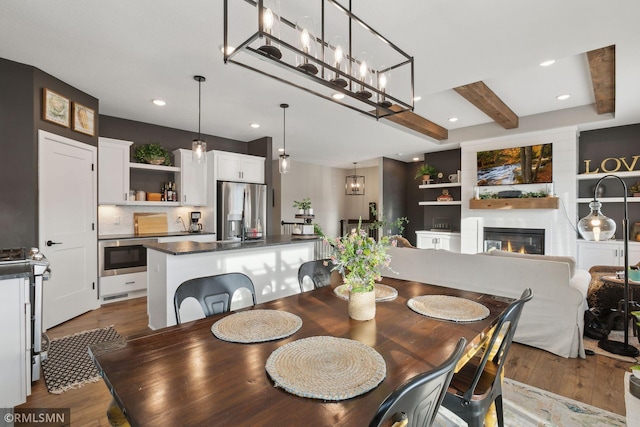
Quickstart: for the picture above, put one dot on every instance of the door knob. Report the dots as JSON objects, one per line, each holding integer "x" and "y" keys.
{"x": 50, "y": 243}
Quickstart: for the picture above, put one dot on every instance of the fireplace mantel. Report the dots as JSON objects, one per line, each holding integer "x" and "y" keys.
{"x": 515, "y": 203}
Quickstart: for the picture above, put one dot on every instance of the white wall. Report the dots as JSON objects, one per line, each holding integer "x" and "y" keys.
{"x": 559, "y": 224}
{"x": 325, "y": 187}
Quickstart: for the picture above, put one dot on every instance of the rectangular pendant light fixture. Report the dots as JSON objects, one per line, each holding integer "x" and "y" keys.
{"x": 323, "y": 48}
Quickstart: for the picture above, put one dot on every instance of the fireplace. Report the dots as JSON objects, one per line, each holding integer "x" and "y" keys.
{"x": 523, "y": 240}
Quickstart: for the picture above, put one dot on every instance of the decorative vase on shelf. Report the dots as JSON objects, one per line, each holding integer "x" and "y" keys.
{"x": 310, "y": 211}
{"x": 362, "y": 304}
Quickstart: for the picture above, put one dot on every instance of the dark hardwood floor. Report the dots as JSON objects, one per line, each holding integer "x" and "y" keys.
{"x": 597, "y": 380}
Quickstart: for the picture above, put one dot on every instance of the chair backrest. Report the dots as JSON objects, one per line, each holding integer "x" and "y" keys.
{"x": 500, "y": 341}
{"x": 214, "y": 293}
{"x": 317, "y": 271}
{"x": 419, "y": 399}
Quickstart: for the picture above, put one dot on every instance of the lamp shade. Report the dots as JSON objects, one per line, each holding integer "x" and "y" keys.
{"x": 596, "y": 226}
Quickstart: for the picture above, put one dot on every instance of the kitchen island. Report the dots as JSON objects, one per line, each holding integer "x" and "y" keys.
{"x": 272, "y": 264}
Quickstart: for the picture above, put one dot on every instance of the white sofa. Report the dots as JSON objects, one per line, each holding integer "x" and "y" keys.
{"x": 553, "y": 320}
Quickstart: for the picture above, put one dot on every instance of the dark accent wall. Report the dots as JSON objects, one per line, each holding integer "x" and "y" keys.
{"x": 19, "y": 171}
{"x": 394, "y": 196}
{"x": 21, "y": 87}
{"x": 597, "y": 145}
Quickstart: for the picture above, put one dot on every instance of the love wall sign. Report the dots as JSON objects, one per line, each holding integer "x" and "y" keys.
{"x": 613, "y": 164}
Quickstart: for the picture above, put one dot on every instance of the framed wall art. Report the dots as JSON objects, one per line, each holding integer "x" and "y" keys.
{"x": 55, "y": 108}
{"x": 83, "y": 119}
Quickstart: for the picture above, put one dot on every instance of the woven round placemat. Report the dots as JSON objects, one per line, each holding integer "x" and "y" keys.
{"x": 327, "y": 368}
{"x": 448, "y": 308}
{"x": 383, "y": 292}
{"x": 256, "y": 326}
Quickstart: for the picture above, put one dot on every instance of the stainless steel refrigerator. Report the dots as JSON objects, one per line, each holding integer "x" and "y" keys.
{"x": 242, "y": 211}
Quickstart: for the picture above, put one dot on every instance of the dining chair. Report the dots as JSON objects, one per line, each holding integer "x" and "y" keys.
{"x": 317, "y": 271}
{"x": 416, "y": 402}
{"x": 478, "y": 383}
{"x": 214, "y": 293}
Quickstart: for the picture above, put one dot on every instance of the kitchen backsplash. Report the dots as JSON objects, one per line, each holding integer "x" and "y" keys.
{"x": 119, "y": 219}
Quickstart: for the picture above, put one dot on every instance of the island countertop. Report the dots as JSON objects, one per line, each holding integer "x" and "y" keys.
{"x": 190, "y": 247}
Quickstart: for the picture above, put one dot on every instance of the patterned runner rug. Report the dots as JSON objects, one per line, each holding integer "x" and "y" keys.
{"x": 68, "y": 364}
{"x": 527, "y": 406}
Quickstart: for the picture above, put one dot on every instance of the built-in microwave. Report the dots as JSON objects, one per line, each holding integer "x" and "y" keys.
{"x": 122, "y": 256}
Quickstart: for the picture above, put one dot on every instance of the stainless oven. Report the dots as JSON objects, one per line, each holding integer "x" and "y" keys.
{"x": 122, "y": 256}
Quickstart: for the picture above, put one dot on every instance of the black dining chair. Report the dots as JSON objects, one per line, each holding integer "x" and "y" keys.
{"x": 478, "y": 383}
{"x": 317, "y": 271}
{"x": 416, "y": 402}
{"x": 214, "y": 293}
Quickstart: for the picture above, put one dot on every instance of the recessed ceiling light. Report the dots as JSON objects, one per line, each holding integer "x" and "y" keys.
{"x": 417, "y": 98}
{"x": 563, "y": 97}
{"x": 547, "y": 62}
{"x": 159, "y": 102}
{"x": 453, "y": 119}
{"x": 337, "y": 95}
{"x": 415, "y": 159}
{"x": 255, "y": 125}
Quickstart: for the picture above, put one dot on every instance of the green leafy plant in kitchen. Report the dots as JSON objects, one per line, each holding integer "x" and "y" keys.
{"x": 303, "y": 204}
{"x": 152, "y": 153}
{"x": 425, "y": 170}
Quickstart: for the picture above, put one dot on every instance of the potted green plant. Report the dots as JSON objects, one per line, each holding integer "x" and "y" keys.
{"x": 425, "y": 172}
{"x": 152, "y": 153}
{"x": 304, "y": 206}
{"x": 361, "y": 260}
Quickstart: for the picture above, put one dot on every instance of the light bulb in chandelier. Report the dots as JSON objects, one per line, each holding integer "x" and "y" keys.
{"x": 271, "y": 25}
{"x": 363, "y": 74}
{"x": 307, "y": 28}
{"x": 334, "y": 55}
{"x": 383, "y": 83}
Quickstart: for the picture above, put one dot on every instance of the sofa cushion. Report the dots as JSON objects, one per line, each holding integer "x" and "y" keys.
{"x": 569, "y": 260}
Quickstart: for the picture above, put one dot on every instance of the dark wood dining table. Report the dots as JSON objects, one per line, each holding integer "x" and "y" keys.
{"x": 184, "y": 376}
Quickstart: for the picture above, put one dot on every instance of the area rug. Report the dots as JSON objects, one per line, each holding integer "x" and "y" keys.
{"x": 591, "y": 344}
{"x": 68, "y": 364}
{"x": 526, "y": 406}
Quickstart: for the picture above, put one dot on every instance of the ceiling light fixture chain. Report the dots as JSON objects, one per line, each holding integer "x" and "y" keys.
{"x": 198, "y": 146}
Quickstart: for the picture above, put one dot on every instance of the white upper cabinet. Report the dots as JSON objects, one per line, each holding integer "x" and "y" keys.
{"x": 113, "y": 171}
{"x": 238, "y": 167}
{"x": 192, "y": 179}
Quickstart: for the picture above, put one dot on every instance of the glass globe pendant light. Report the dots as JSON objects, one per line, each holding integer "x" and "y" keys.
{"x": 307, "y": 28}
{"x": 198, "y": 146}
{"x": 270, "y": 19}
{"x": 284, "y": 163}
{"x": 596, "y": 226}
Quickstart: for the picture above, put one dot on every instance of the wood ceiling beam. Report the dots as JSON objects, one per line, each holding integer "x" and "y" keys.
{"x": 480, "y": 95}
{"x": 417, "y": 123}
{"x": 602, "y": 66}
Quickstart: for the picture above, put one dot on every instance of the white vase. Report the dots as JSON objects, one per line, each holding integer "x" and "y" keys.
{"x": 362, "y": 305}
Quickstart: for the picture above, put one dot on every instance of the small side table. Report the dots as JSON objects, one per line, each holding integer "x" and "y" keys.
{"x": 633, "y": 305}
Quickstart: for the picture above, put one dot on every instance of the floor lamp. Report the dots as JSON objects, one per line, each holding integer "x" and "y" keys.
{"x": 597, "y": 227}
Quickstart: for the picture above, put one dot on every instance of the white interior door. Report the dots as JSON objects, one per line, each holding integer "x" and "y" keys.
{"x": 67, "y": 220}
